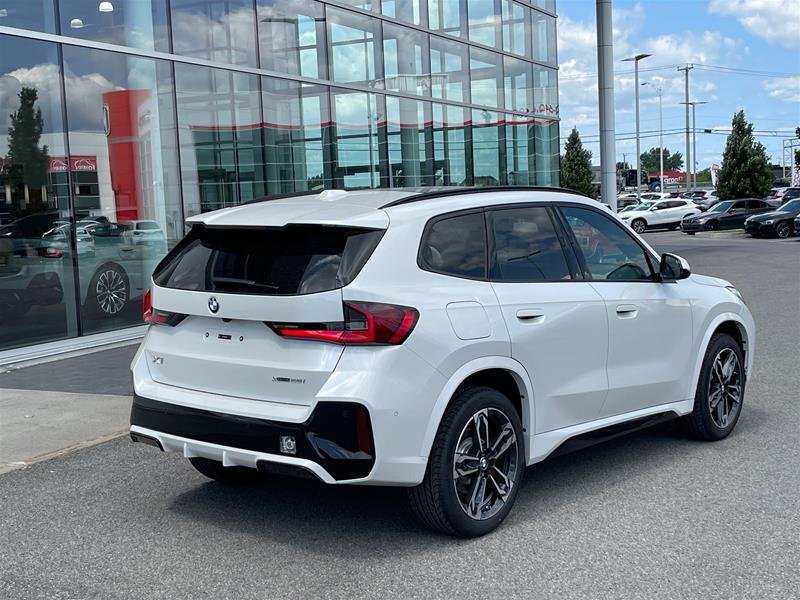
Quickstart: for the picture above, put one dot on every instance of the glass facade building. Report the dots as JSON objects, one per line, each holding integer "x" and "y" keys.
{"x": 119, "y": 119}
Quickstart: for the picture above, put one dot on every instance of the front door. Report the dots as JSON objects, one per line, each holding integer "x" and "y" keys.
{"x": 650, "y": 324}
{"x": 557, "y": 322}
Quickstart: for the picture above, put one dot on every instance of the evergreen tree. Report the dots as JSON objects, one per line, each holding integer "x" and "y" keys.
{"x": 650, "y": 161}
{"x": 576, "y": 166}
{"x": 28, "y": 161}
{"x": 745, "y": 170}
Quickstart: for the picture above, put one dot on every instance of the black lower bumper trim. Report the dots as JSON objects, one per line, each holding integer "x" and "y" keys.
{"x": 337, "y": 436}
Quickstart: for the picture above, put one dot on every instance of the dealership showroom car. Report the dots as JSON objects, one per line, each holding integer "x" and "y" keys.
{"x": 779, "y": 223}
{"x": 659, "y": 214}
{"x": 440, "y": 340}
{"x": 730, "y": 214}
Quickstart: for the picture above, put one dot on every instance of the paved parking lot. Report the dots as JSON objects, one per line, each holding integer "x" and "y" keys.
{"x": 651, "y": 515}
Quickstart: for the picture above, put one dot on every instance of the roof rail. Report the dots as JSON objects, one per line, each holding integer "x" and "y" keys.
{"x": 270, "y": 197}
{"x": 459, "y": 191}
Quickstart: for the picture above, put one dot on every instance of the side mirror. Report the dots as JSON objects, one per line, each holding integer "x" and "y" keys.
{"x": 673, "y": 267}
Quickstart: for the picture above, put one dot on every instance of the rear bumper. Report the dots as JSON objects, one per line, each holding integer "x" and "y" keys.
{"x": 335, "y": 442}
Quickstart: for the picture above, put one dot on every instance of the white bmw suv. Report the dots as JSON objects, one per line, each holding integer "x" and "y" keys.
{"x": 441, "y": 340}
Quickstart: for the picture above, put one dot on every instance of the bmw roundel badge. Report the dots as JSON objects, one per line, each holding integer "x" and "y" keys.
{"x": 213, "y": 305}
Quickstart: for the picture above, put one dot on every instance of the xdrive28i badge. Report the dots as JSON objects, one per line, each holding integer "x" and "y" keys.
{"x": 213, "y": 305}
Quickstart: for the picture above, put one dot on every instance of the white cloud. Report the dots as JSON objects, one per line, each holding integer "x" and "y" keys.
{"x": 777, "y": 21}
{"x": 785, "y": 88}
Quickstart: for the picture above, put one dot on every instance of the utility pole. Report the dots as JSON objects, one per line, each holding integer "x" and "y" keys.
{"x": 636, "y": 60}
{"x": 686, "y": 70}
{"x": 605, "y": 97}
{"x": 694, "y": 141}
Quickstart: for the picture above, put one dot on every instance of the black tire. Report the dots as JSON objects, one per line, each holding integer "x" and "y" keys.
{"x": 783, "y": 230}
{"x": 700, "y": 423}
{"x": 435, "y": 501}
{"x": 639, "y": 225}
{"x": 711, "y": 226}
{"x": 213, "y": 469}
{"x": 689, "y": 232}
{"x": 109, "y": 291}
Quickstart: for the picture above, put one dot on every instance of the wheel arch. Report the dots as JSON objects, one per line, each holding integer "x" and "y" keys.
{"x": 498, "y": 372}
{"x": 733, "y": 325}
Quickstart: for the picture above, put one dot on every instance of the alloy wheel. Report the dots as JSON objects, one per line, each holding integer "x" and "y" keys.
{"x": 639, "y": 226}
{"x": 485, "y": 463}
{"x": 783, "y": 230}
{"x": 725, "y": 388}
{"x": 111, "y": 291}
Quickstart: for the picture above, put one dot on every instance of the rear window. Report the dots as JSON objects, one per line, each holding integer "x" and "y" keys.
{"x": 146, "y": 226}
{"x": 291, "y": 260}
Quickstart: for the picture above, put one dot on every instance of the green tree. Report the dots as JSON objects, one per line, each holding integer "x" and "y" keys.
{"x": 650, "y": 162}
{"x": 623, "y": 166}
{"x": 745, "y": 170}
{"x": 28, "y": 161}
{"x": 576, "y": 166}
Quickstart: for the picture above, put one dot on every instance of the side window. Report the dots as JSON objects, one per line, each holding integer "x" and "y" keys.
{"x": 526, "y": 246}
{"x": 752, "y": 204}
{"x": 455, "y": 246}
{"x": 609, "y": 251}
{"x": 738, "y": 206}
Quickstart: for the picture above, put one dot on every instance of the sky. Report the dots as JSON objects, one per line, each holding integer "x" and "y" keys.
{"x": 759, "y": 39}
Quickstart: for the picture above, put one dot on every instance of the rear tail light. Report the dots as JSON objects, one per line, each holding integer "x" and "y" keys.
{"x": 365, "y": 323}
{"x": 153, "y": 316}
{"x": 50, "y": 252}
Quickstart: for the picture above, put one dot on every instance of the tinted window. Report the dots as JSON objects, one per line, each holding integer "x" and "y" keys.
{"x": 752, "y": 204}
{"x": 455, "y": 246}
{"x": 526, "y": 247}
{"x": 146, "y": 226}
{"x": 740, "y": 205}
{"x": 609, "y": 251}
{"x": 290, "y": 260}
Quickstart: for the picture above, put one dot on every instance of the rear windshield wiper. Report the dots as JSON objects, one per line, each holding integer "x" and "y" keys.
{"x": 244, "y": 282}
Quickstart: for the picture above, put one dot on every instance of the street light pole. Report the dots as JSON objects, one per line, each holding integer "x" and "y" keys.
{"x": 605, "y": 97}
{"x": 636, "y": 60}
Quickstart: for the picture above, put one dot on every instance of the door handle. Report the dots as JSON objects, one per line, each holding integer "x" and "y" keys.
{"x": 536, "y": 315}
{"x": 627, "y": 311}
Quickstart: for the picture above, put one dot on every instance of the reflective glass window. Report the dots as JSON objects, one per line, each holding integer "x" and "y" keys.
{"x": 291, "y": 37}
{"x": 484, "y": 22}
{"x": 545, "y": 4}
{"x": 546, "y": 147}
{"x": 218, "y": 30}
{"x": 37, "y": 292}
{"x": 136, "y": 23}
{"x": 520, "y": 158}
{"x": 296, "y": 136}
{"x": 487, "y": 150}
{"x": 356, "y": 122}
{"x": 486, "y": 74}
{"x": 544, "y": 37}
{"x": 545, "y": 91}
{"x": 409, "y": 133}
{"x": 448, "y": 16}
{"x": 516, "y": 28}
{"x": 449, "y": 70}
{"x": 221, "y": 141}
{"x": 450, "y": 156}
{"x": 517, "y": 76}
{"x": 405, "y": 56}
{"x": 410, "y": 11}
{"x": 354, "y": 47}
{"x": 38, "y": 15}
{"x": 126, "y": 192}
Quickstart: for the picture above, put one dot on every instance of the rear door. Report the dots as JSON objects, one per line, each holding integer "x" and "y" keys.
{"x": 735, "y": 216}
{"x": 556, "y": 321}
{"x": 650, "y": 323}
{"x": 226, "y": 285}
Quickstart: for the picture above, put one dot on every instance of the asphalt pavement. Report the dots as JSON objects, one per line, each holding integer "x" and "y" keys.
{"x": 650, "y": 515}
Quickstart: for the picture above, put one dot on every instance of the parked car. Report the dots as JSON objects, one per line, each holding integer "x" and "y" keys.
{"x": 625, "y": 201}
{"x": 791, "y": 193}
{"x": 695, "y": 195}
{"x": 706, "y": 203}
{"x": 779, "y": 222}
{"x": 662, "y": 214}
{"x": 393, "y": 337}
{"x": 776, "y": 193}
{"x": 730, "y": 214}
{"x": 145, "y": 232}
